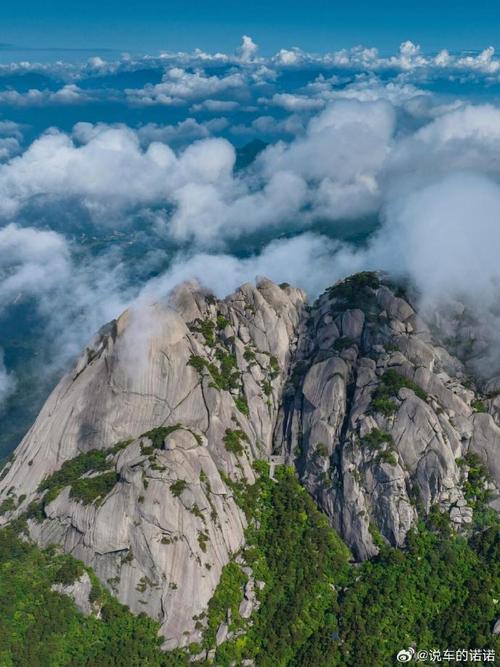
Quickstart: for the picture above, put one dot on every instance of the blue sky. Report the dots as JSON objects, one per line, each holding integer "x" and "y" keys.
{"x": 316, "y": 25}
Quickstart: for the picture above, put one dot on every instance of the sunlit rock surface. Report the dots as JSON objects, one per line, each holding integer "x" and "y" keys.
{"x": 354, "y": 391}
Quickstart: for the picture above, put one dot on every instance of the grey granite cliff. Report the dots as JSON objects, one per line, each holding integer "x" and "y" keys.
{"x": 354, "y": 391}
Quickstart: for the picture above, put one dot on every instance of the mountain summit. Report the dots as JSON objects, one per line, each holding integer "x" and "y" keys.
{"x": 139, "y": 460}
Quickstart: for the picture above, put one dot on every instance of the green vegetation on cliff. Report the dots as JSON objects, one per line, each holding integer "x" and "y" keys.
{"x": 86, "y": 489}
{"x": 388, "y": 389}
{"x": 318, "y": 609}
{"x": 315, "y": 606}
{"x": 42, "y": 628}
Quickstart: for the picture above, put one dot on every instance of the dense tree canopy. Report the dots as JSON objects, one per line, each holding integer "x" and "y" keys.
{"x": 316, "y": 606}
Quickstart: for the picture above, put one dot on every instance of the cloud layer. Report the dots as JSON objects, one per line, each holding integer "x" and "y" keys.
{"x": 358, "y": 164}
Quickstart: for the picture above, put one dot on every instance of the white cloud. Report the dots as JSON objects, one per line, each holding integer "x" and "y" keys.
{"x": 7, "y": 381}
{"x": 478, "y": 123}
{"x": 73, "y": 298}
{"x": 9, "y": 146}
{"x": 484, "y": 62}
{"x": 248, "y": 49}
{"x": 215, "y": 106}
{"x": 32, "y": 262}
{"x": 11, "y": 138}
{"x": 350, "y": 161}
{"x": 410, "y": 59}
{"x": 292, "y": 102}
{"x": 446, "y": 237}
{"x": 110, "y": 169}
{"x": 289, "y": 57}
{"x": 185, "y": 131}
{"x": 371, "y": 89}
{"x": 96, "y": 63}
{"x": 462, "y": 139}
{"x": 268, "y": 125}
{"x": 179, "y": 86}
{"x": 287, "y": 260}
{"x": 340, "y": 155}
{"x": 426, "y": 165}
{"x": 332, "y": 170}
{"x": 68, "y": 94}
{"x": 11, "y": 129}
{"x": 210, "y": 215}
{"x": 345, "y": 163}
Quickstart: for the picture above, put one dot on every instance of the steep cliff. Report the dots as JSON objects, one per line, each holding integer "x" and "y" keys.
{"x": 377, "y": 417}
{"x": 132, "y": 449}
{"x": 134, "y": 464}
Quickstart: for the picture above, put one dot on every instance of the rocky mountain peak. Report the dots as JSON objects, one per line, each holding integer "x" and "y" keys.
{"x": 131, "y": 465}
{"x": 377, "y": 417}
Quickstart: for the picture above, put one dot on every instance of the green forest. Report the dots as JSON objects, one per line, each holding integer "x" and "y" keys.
{"x": 317, "y": 607}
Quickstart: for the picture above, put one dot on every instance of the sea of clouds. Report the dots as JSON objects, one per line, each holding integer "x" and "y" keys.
{"x": 365, "y": 162}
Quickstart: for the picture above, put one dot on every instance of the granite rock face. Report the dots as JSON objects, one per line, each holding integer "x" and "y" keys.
{"x": 79, "y": 591}
{"x": 354, "y": 391}
{"x": 377, "y": 419}
{"x": 211, "y": 374}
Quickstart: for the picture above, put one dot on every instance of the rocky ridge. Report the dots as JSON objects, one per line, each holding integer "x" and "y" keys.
{"x": 131, "y": 463}
{"x": 379, "y": 420}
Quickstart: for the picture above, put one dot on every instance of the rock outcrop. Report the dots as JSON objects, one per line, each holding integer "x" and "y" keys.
{"x": 211, "y": 374}
{"x": 79, "y": 591}
{"x": 131, "y": 462}
{"x": 377, "y": 419}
